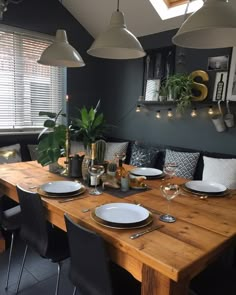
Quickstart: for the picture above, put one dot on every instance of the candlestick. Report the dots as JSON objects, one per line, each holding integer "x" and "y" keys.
{"x": 67, "y": 143}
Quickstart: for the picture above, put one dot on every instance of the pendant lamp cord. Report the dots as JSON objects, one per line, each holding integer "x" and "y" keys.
{"x": 186, "y": 10}
{"x": 118, "y": 5}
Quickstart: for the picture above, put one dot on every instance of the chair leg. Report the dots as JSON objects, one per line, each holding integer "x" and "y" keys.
{"x": 75, "y": 289}
{"x": 21, "y": 270}
{"x": 9, "y": 259}
{"x": 58, "y": 277}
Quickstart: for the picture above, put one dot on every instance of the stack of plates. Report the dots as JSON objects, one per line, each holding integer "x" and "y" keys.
{"x": 208, "y": 188}
{"x": 121, "y": 215}
{"x": 61, "y": 189}
{"x": 150, "y": 173}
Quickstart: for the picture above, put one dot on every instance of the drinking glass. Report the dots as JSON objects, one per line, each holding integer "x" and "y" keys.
{"x": 169, "y": 169}
{"x": 169, "y": 192}
{"x": 96, "y": 171}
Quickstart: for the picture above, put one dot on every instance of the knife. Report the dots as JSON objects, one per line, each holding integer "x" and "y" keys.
{"x": 137, "y": 235}
{"x": 70, "y": 199}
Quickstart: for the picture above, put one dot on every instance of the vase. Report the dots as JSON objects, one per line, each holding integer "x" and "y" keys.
{"x": 85, "y": 164}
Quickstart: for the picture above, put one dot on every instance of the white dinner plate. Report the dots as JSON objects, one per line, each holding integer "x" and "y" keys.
{"x": 205, "y": 186}
{"x": 121, "y": 213}
{"x": 148, "y": 172}
{"x": 61, "y": 187}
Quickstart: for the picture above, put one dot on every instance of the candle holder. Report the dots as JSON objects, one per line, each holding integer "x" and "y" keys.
{"x": 65, "y": 172}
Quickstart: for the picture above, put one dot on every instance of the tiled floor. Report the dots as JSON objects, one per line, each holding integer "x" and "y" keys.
{"x": 39, "y": 277}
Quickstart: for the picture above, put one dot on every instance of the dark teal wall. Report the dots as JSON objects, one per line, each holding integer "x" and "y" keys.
{"x": 119, "y": 83}
{"x": 122, "y": 85}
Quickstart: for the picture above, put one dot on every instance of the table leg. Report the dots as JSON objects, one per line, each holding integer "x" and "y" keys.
{"x": 155, "y": 283}
{"x": 2, "y": 243}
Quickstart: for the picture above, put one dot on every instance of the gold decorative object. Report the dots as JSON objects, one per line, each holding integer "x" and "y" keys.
{"x": 202, "y": 88}
{"x": 110, "y": 181}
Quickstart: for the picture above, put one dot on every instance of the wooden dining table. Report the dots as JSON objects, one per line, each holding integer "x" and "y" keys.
{"x": 165, "y": 260}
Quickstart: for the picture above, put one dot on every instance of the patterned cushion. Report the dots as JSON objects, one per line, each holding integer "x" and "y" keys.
{"x": 186, "y": 162}
{"x": 143, "y": 156}
{"x": 115, "y": 148}
{"x": 220, "y": 170}
{"x": 10, "y": 154}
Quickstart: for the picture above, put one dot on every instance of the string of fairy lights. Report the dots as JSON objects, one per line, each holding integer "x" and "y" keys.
{"x": 169, "y": 113}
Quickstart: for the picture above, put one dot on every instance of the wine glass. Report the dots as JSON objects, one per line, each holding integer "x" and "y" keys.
{"x": 96, "y": 171}
{"x": 169, "y": 169}
{"x": 169, "y": 192}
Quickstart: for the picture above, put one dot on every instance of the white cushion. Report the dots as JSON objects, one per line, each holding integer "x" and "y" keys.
{"x": 115, "y": 148}
{"x": 220, "y": 170}
{"x": 10, "y": 154}
{"x": 111, "y": 148}
{"x": 76, "y": 147}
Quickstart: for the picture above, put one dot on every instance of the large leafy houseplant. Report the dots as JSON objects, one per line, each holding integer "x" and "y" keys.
{"x": 89, "y": 126}
{"x": 179, "y": 86}
{"x": 52, "y": 139}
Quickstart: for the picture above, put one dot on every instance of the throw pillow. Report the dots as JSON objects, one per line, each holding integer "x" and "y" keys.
{"x": 143, "y": 156}
{"x": 10, "y": 154}
{"x": 220, "y": 170}
{"x": 33, "y": 151}
{"x": 186, "y": 162}
{"x": 115, "y": 148}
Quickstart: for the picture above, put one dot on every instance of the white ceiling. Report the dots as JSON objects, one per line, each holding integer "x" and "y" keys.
{"x": 140, "y": 16}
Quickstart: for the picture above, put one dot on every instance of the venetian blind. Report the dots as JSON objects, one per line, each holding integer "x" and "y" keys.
{"x": 27, "y": 87}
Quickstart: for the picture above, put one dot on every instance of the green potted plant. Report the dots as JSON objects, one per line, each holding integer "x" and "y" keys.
{"x": 52, "y": 139}
{"x": 179, "y": 88}
{"x": 89, "y": 126}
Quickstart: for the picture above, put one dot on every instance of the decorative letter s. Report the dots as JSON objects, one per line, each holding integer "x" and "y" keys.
{"x": 199, "y": 87}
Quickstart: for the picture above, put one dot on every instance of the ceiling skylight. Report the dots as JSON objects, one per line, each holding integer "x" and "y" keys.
{"x": 172, "y": 8}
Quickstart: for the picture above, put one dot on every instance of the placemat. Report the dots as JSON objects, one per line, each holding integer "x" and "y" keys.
{"x": 116, "y": 192}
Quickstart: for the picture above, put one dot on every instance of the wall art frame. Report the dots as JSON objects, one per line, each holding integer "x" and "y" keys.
{"x": 231, "y": 89}
{"x": 158, "y": 65}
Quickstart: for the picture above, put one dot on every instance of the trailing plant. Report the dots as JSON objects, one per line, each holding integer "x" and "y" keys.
{"x": 52, "y": 139}
{"x": 180, "y": 87}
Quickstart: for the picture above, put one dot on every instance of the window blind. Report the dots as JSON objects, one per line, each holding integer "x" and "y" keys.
{"x": 27, "y": 87}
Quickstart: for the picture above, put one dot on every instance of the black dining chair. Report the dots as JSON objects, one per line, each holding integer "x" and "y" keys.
{"x": 46, "y": 239}
{"x": 10, "y": 221}
{"x": 91, "y": 271}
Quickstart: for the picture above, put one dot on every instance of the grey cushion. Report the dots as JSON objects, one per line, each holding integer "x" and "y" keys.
{"x": 33, "y": 151}
{"x": 143, "y": 156}
{"x": 186, "y": 162}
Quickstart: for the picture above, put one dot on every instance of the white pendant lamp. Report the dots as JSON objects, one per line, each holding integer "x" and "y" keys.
{"x": 117, "y": 42}
{"x": 212, "y": 26}
{"x": 61, "y": 54}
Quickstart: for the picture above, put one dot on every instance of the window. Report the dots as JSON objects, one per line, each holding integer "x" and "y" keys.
{"x": 172, "y": 8}
{"x": 27, "y": 87}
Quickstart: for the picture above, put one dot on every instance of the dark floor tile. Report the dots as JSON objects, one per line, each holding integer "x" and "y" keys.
{"x": 39, "y": 276}
{"x": 27, "y": 281}
{"x": 40, "y": 268}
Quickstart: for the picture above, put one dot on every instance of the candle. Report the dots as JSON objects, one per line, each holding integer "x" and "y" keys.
{"x": 67, "y": 111}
